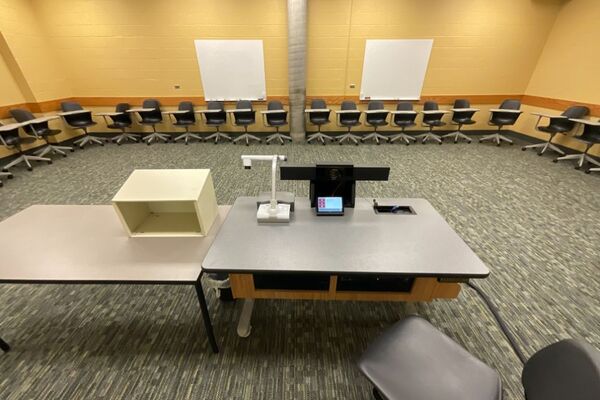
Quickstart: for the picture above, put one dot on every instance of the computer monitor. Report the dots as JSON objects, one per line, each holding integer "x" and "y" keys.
{"x": 333, "y": 179}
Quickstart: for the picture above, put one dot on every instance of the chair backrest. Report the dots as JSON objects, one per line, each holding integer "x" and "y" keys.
{"x": 125, "y": 117}
{"x": 562, "y": 124}
{"x": 318, "y": 103}
{"x": 151, "y": 116}
{"x": 21, "y": 115}
{"x": 217, "y": 118}
{"x": 246, "y": 117}
{"x": 568, "y": 369}
{"x": 511, "y": 105}
{"x": 375, "y": 105}
{"x": 462, "y": 103}
{"x": 276, "y": 118}
{"x": 186, "y": 118}
{"x": 76, "y": 119}
{"x": 405, "y": 120}
{"x": 350, "y": 118}
{"x": 430, "y": 106}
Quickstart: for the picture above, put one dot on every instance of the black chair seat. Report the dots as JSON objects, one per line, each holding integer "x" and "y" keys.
{"x": 349, "y": 123}
{"x": 118, "y": 125}
{"x": 590, "y": 137}
{"x": 244, "y": 121}
{"x": 16, "y": 140}
{"x": 184, "y": 122}
{"x": 43, "y": 131}
{"x": 502, "y": 121}
{"x": 404, "y": 124}
{"x": 318, "y": 120}
{"x": 434, "y": 123}
{"x": 464, "y": 121}
{"x": 81, "y": 124}
{"x": 377, "y": 122}
{"x": 151, "y": 120}
{"x": 414, "y": 361}
{"x": 215, "y": 121}
{"x": 553, "y": 129}
{"x": 277, "y": 122}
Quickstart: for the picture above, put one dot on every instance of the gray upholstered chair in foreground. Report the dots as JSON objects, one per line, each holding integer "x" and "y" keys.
{"x": 348, "y": 117}
{"x": 506, "y": 115}
{"x": 589, "y": 137}
{"x": 558, "y": 124}
{"x": 275, "y": 117}
{"x": 404, "y": 118}
{"x": 318, "y": 115}
{"x": 413, "y": 360}
{"x": 376, "y": 116}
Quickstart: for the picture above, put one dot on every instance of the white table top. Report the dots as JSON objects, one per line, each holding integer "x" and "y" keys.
{"x": 505, "y": 110}
{"x": 63, "y": 114}
{"x": 586, "y": 121}
{"x": 176, "y": 112}
{"x": 140, "y": 109}
{"x": 163, "y": 185}
{"x": 548, "y": 115}
{"x": 358, "y": 242}
{"x": 88, "y": 244}
{"x": 434, "y": 111}
{"x": 403, "y": 112}
{"x": 10, "y": 127}
{"x": 40, "y": 120}
{"x": 109, "y": 114}
{"x": 273, "y": 111}
{"x": 382, "y": 111}
{"x": 309, "y": 110}
{"x": 239, "y": 110}
{"x": 208, "y": 111}
{"x": 464, "y": 109}
{"x": 348, "y": 111}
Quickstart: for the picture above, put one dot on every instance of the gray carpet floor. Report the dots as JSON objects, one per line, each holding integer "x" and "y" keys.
{"x": 534, "y": 223}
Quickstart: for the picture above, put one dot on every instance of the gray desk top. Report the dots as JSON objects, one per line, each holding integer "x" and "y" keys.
{"x": 358, "y": 242}
{"x": 88, "y": 244}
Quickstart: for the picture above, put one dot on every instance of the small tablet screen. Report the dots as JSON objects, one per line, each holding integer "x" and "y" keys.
{"x": 330, "y": 206}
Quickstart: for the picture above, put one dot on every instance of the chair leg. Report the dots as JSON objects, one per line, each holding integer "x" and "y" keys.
{"x": 4, "y": 346}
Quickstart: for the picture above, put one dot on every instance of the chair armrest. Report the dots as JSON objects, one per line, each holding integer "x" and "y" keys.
{"x": 63, "y": 114}
{"x": 505, "y": 110}
{"x": 406, "y": 112}
{"x": 10, "y": 127}
{"x": 208, "y": 111}
{"x": 585, "y": 121}
{"x": 274, "y": 112}
{"x": 464, "y": 109}
{"x": 239, "y": 110}
{"x": 309, "y": 110}
{"x": 348, "y": 111}
{"x": 549, "y": 116}
{"x": 109, "y": 114}
{"x": 434, "y": 111}
{"x": 41, "y": 120}
{"x": 377, "y": 112}
{"x": 139, "y": 109}
{"x": 175, "y": 112}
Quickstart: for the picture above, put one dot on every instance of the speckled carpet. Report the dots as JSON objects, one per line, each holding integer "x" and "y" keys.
{"x": 534, "y": 223}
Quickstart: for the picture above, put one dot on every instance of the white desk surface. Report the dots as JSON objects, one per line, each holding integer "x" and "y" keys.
{"x": 273, "y": 111}
{"x": 140, "y": 109}
{"x": 208, "y": 111}
{"x": 549, "y": 115}
{"x": 71, "y": 243}
{"x": 464, "y": 109}
{"x": 309, "y": 110}
{"x": 505, "y": 110}
{"x": 434, "y": 111}
{"x": 176, "y": 112}
{"x": 382, "y": 111}
{"x": 109, "y": 114}
{"x": 163, "y": 185}
{"x": 63, "y": 114}
{"x": 10, "y": 127}
{"x": 239, "y": 110}
{"x": 40, "y": 120}
{"x": 403, "y": 112}
{"x": 358, "y": 242}
{"x": 586, "y": 121}
{"x": 348, "y": 111}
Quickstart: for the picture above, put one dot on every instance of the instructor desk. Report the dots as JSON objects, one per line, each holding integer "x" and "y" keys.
{"x": 358, "y": 256}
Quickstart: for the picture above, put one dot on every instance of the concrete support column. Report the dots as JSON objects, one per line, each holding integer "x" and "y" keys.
{"x": 297, "y": 23}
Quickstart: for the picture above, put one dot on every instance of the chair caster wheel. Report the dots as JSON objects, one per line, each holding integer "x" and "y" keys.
{"x": 4, "y": 170}
{"x": 440, "y": 143}
{"x": 64, "y": 156}
{"x": 49, "y": 162}
{"x": 555, "y": 161}
{"x": 281, "y": 144}
{"x": 523, "y": 148}
{"x": 378, "y": 143}
{"x": 186, "y": 143}
{"x": 498, "y": 145}
{"x": 356, "y": 144}
{"x": 267, "y": 143}
{"x": 511, "y": 143}
{"x": 540, "y": 154}
{"x": 10, "y": 176}
{"x": 247, "y": 144}
{"x": 29, "y": 169}
{"x": 102, "y": 144}
{"x": 587, "y": 171}
{"x": 148, "y": 143}
{"x": 72, "y": 150}
{"x": 578, "y": 168}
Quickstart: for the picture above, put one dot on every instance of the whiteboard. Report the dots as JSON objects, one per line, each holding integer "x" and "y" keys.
{"x": 394, "y": 69}
{"x": 232, "y": 69}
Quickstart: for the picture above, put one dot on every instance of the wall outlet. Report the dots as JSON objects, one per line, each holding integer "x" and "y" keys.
{"x": 177, "y": 86}
{"x": 352, "y": 86}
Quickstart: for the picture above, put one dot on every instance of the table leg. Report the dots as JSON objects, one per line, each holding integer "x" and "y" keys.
{"x": 206, "y": 316}
{"x": 244, "y": 326}
{"x": 4, "y": 346}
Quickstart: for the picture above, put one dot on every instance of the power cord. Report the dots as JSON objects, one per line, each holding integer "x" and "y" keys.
{"x": 494, "y": 310}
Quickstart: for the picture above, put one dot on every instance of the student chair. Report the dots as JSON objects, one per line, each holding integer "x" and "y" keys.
{"x": 349, "y": 119}
{"x": 12, "y": 140}
{"x": 461, "y": 115}
{"x": 185, "y": 116}
{"x": 81, "y": 119}
{"x": 589, "y": 137}
{"x": 40, "y": 130}
{"x": 501, "y": 119}
{"x": 319, "y": 118}
{"x": 431, "y": 119}
{"x": 121, "y": 120}
{"x": 216, "y": 119}
{"x": 404, "y": 119}
{"x": 244, "y": 115}
{"x": 413, "y": 360}
{"x": 152, "y": 117}
{"x": 276, "y": 117}
{"x": 559, "y": 124}
{"x": 376, "y": 116}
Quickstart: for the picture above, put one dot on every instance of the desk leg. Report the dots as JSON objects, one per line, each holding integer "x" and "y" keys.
{"x": 244, "y": 324}
{"x": 206, "y": 316}
{"x": 4, "y": 346}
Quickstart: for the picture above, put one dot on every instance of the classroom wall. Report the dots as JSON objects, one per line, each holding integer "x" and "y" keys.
{"x": 11, "y": 94}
